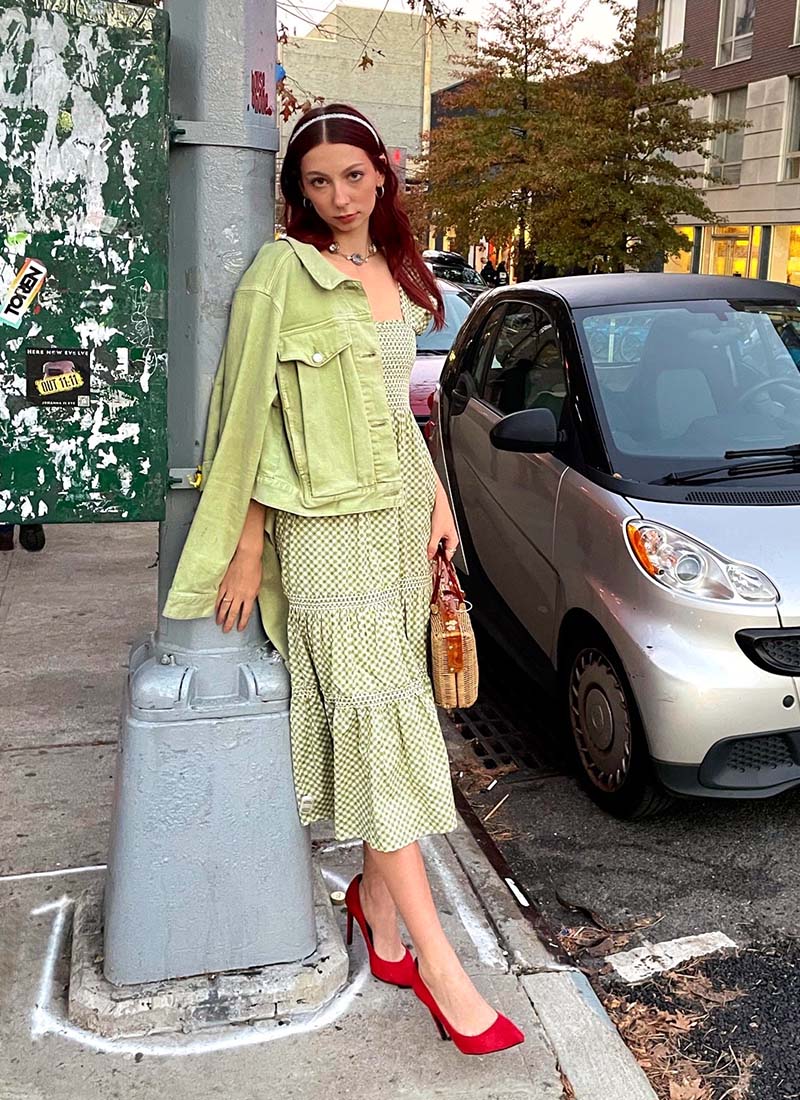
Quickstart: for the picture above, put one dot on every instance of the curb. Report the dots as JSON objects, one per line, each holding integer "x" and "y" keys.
{"x": 588, "y": 1048}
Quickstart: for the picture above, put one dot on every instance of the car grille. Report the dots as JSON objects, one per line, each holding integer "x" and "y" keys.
{"x": 761, "y": 753}
{"x": 753, "y": 764}
{"x": 744, "y": 496}
{"x": 773, "y": 650}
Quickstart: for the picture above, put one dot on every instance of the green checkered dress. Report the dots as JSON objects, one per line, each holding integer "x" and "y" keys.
{"x": 367, "y": 748}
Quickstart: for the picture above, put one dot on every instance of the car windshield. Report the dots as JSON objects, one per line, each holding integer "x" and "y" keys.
{"x": 456, "y": 308}
{"x": 678, "y": 382}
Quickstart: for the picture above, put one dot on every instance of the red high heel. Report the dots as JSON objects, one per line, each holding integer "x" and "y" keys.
{"x": 498, "y": 1036}
{"x": 395, "y": 973}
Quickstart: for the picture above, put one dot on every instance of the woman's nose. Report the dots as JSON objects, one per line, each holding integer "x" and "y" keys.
{"x": 341, "y": 194}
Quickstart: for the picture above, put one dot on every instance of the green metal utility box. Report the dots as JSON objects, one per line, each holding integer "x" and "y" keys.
{"x": 84, "y": 145}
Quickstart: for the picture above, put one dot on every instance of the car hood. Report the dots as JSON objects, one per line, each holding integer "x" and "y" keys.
{"x": 765, "y": 536}
{"x": 424, "y": 377}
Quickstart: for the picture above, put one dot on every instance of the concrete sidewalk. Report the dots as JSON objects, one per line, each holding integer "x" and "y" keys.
{"x": 67, "y": 618}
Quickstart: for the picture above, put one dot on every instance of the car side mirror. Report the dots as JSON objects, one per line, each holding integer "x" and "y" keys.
{"x": 529, "y": 431}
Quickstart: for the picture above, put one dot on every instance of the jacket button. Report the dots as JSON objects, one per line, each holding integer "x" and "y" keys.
{"x": 317, "y": 357}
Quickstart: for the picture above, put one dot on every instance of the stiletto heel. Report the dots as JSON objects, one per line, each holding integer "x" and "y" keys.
{"x": 500, "y": 1035}
{"x": 393, "y": 973}
{"x": 442, "y": 1029}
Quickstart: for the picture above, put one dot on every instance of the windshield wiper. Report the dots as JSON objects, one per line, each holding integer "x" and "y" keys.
{"x": 791, "y": 449}
{"x": 787, "y": 461}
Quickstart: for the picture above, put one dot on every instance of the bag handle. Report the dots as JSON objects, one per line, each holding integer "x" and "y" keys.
{"x": 445, "y": 576}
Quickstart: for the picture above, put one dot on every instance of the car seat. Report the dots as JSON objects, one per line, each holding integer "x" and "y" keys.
{"x": 671, "y": 389}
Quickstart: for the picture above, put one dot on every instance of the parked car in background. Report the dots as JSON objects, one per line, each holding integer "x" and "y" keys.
{"x": 622, "y": 454}
{"x": 432, "y": 346}
{"x": 453, "y": 267}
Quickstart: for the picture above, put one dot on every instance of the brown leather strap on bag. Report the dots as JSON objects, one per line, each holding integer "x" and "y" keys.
{"x": 448, "y": 598}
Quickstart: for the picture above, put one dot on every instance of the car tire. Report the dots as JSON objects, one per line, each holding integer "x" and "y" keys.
{"x": 612, "y": 755}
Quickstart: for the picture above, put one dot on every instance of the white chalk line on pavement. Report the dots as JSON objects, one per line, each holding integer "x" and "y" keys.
{"x": 475, "y": 924}
{"x": 46, "y": 1021}
{"x": 53, "y": 874}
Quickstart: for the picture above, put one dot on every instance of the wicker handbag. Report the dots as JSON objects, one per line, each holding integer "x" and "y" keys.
{"x": 454, "y": 658}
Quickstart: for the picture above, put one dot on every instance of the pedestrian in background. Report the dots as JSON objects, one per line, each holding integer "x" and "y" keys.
{"x": 488, "y": 273}
{"x": 31, "y": 536}
{"x": 323, "y": 502}
{"x": 502, "y": 274}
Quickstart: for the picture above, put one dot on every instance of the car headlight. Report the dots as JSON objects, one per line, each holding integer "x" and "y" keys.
{"x": 688, "y": 567}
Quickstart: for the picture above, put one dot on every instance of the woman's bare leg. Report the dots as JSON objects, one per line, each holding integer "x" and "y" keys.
{"x": 406, "y": 882}
{"x": 380, "y": 911}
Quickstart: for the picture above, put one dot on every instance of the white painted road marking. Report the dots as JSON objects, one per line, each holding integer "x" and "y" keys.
{"x": 643, "y": 962}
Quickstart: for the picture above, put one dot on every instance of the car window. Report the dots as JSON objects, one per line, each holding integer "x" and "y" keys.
{"x": 456, "y": 308}
{"x": 482, "y": 359}
{"x": 527, "y": 365}
{"x": 694, "y": 379}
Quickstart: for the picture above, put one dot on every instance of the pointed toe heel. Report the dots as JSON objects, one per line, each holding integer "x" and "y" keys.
{"x": 400, "y": 973}
{"x": 500, "y": 1035}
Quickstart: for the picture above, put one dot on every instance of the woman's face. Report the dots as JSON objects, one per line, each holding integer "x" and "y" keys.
{"x": 340, "y": 181}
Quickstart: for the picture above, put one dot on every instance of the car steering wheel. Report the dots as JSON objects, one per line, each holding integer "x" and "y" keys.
{"x": 793, "y": 383}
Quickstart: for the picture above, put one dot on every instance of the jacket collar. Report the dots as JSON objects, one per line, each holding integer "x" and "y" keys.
{"x": 323, "y": 273}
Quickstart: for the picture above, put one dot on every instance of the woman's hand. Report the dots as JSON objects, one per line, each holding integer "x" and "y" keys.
{"x": 443, "y": 526}
{"x": 239, "y": 589}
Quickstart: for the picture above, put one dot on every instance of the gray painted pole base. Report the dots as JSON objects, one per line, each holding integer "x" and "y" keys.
{"x": 209, "y": 868}
{"x": 211, "y": 1000}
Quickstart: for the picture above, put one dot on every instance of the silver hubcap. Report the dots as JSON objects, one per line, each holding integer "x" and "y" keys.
{"x": 601, "y": 722}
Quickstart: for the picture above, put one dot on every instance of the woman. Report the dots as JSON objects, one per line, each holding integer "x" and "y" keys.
{"x": 313, "y": 459}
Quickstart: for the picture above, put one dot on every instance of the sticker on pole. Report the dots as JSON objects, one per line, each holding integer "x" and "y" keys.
{"x": 58, "y": 376}
{"x": 20, "y": 296}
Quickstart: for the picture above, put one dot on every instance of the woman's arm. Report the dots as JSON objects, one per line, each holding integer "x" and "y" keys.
{"x": 443, "y": 526}
{"x": 239, "y": 588}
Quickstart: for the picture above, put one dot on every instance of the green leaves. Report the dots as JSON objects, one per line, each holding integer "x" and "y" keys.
{"x": 584, "y": 160}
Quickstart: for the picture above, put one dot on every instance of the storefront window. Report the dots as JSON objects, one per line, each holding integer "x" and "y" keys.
{"x": 785, "y": 265}
{"x": 735, "y": 250}
{"x": 682, "y": 264}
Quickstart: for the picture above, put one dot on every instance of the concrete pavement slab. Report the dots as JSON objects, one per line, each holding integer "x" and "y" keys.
{"x": 373, "y": 1041}
{"x": 55, "y": 807}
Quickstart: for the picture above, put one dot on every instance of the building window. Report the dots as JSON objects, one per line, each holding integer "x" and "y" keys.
{"x": 682, "y": 263}
{"x": 735, "y": 250}
{"x": 671, "y": 19}
{"x": 791, "y": 164}
{"x": 797, "y": 24}
{"x": 726, "y": 154}
{"x": 736, "y": 30}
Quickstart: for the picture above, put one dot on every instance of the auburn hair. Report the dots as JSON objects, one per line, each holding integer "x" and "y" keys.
{"x": 389, "y": 225}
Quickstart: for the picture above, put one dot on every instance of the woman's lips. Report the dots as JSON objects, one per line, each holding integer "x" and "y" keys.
{"x": 345, "y": 217}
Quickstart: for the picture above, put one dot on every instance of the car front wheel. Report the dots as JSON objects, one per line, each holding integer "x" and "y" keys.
{"x": 612, "y": 750}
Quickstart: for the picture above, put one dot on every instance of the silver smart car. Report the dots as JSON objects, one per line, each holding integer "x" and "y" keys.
{"x": 622, "y": 454}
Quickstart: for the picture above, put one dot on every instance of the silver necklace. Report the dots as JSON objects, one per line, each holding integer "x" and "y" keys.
{"x": 355, "y": 257}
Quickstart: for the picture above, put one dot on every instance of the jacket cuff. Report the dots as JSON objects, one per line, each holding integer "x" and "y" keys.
{"x": 189, "y": 605}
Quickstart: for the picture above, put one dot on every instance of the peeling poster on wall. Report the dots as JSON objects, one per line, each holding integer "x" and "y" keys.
{"x": 58, "y": 376}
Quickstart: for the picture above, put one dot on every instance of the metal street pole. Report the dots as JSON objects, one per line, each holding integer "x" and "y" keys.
{"x": 209, "y": 868}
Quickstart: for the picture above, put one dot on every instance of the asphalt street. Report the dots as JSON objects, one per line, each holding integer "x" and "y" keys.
{"x": 601, "y": 885}
{"x": 702, "y": 866}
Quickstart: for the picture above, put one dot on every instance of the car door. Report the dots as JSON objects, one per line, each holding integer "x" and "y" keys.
{"x": 509, "y": 499}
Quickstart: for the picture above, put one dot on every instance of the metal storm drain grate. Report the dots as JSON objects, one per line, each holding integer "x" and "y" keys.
{"x": 498, "y": 741}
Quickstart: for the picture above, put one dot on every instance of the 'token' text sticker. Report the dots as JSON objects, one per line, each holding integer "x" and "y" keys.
{"x": 20, "y": 296}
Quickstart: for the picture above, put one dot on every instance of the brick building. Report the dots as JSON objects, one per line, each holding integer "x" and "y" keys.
{"x": 390, "y": 92}
{"x": 749, "y": 54}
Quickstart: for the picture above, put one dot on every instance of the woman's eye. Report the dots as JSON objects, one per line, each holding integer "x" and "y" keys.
{"x": 356, "y": 175}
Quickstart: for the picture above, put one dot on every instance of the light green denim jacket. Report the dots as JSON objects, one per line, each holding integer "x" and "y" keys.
{"x": 298, "y": 420}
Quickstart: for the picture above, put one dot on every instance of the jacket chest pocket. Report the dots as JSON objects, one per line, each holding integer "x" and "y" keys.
{"x": 324, "y": 410}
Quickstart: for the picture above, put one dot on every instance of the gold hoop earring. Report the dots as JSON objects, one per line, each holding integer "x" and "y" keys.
{"x": 380, "y": 190}
{"x": 307, "y": 203}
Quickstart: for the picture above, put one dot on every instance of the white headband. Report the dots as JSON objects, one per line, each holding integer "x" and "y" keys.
{"x": 321, "y": 118}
